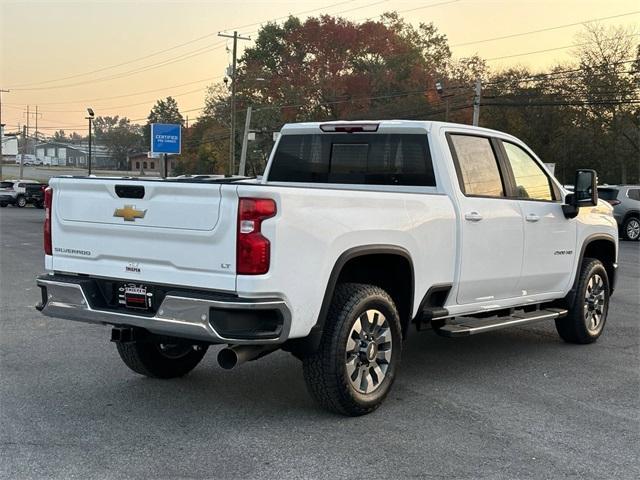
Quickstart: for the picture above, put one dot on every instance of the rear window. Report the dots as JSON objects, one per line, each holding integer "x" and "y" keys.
{"x": 607, "y": 193}
{"x": 358, "y": 158}
{"x": 634, "y": 193}
{"x": 6, "y": 184}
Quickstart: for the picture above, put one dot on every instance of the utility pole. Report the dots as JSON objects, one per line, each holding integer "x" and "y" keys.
{"x": 26, "y": 139}
{"x": 24, "y": 150}
{"x": 1, "y": 131}
{"x": 245, "y": 139}
{"x": 476, "y": 102}
{"x": 232, "y": 142}
{"x": 36, "y": 134}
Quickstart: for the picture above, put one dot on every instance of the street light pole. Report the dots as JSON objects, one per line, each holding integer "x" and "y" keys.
{"x": 90, "y": 118}
{"x": 232, "y": 140}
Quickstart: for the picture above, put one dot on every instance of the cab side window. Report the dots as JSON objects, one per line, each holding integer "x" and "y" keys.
{"x": 531, "y": 181}
{"x": 477, "y": 166}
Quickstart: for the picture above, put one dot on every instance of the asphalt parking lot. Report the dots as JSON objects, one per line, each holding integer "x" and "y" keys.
{"x": 516, "y": 403}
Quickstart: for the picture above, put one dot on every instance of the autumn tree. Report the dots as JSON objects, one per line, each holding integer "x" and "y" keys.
{"x": 164, "y": 111}
{"x": 120, "y": 136}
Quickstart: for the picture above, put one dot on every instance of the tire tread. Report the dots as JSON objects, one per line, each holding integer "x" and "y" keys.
{"x": 319, "y": 368}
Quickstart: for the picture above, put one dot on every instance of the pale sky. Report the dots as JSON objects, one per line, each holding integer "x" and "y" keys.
{"x": 48, "y": 49}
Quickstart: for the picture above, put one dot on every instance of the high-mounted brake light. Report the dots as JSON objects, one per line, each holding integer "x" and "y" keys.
{"x": 48, "y": 204}
{"x": 349, "y": 127}
{"x": 253, "y": 250}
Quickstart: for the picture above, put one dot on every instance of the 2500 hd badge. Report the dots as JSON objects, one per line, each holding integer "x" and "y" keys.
{"x": 356, "y": 232}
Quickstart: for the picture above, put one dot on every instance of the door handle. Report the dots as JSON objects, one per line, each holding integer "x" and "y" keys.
{"x": 473, "y": 216}
{"x": 532, "y": 217}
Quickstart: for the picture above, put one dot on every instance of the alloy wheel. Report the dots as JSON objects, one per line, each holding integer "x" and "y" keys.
{"x": 633, "y": 229}
{"x": 595, "y": 304}
{"x": 368, "y": 351}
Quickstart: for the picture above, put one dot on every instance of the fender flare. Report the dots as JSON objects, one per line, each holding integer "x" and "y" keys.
{"x": 587, "y": 241}
{"x": 312, "y": 341}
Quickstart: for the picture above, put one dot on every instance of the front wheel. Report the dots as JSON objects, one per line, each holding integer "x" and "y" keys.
{"x": 356, "y": 363}
{"x": 631, "y": 229}
{"x": 167, "y": 358}
{"x": 21, "y": 202}
{"x": 588, "y": 312}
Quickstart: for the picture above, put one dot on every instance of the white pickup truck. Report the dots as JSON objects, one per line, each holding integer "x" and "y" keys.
{"x": 355, "y": 231}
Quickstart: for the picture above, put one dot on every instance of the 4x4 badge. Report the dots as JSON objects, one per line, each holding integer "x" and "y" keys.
{"x": 129, "y": 213}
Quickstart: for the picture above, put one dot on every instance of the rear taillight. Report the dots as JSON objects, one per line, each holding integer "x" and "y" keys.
{"x": 253, "y": 249}
{"x": 613, "y": 203}
{"x": 48, "y": 204}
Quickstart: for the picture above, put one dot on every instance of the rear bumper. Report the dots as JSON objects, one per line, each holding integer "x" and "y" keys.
{"x": 201, "y": 316}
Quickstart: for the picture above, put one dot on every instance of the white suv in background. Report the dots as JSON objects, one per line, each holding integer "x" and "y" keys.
{"x": 12, "y": 192}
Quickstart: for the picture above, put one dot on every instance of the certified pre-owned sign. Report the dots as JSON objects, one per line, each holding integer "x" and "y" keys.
{"x": 166, "y": 138}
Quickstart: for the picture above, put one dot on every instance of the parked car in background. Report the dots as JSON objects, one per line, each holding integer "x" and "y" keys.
{"x": 625, "y": 200}
{"x": 34, "y": 194}
{"x": 12, "y": 192}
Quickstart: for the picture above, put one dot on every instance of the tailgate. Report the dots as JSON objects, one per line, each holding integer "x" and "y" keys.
{"x": 165, "y": 232}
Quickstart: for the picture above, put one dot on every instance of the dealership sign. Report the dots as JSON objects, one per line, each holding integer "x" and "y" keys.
{"x": 166, "y": 138}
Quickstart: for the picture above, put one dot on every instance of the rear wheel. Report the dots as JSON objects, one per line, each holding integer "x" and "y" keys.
{"x": 21, "y": 202}
{"x": 166, "y": 358}
{"x": 356, "y": 363}
{"x": 2, "y": 205}
{"x": 631, "y": 229}
{"x": 588, "y": 313}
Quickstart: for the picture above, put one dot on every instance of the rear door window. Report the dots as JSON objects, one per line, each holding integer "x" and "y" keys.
{"x": 607, "y": 193}
{"x": 477, "y": 166}
{"x": 358, "y": 158}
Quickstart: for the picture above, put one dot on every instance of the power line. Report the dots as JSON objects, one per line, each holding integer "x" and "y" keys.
{"x": 539, "y": 76}
{"x": 125, "y": 95}
{"x": 549, "y": 49}
{"x": 547, "y": 29}
{"x": 137, "y": 70}
{"x": 144, "y": 57}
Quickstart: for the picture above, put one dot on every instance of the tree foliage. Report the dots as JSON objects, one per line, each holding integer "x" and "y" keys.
{"x": 164, "y": 111}
{"x": 582, "y": 115}
{"x": 120, "y": 136}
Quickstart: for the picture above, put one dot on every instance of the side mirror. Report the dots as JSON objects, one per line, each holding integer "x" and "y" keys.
{"x": 585, "y": 193}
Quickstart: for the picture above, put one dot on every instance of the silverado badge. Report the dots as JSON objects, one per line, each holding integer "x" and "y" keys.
{"x": 129, "y": 213}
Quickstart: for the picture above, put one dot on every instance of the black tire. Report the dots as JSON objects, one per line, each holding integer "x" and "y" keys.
{"x": 3, "y": 205}
{"x": 326, "y": 370}
{"x": 39, "y": 205}
{"x": 21, "y": 202}
{"x": 591, "y": 302}
{"x": 156, "y": 359}
{"x": 631, "y": 229}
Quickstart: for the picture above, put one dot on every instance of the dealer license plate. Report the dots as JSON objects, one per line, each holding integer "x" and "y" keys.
{"x": 135, "y": 296}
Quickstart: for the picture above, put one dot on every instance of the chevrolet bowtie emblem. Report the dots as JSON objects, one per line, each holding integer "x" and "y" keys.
{"x": 129, "y": 213}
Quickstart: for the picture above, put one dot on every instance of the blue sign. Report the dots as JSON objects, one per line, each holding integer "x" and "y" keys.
{"x": 166, "y": 138}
